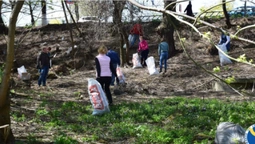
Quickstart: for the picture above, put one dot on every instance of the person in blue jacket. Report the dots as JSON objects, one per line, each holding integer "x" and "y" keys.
{"x": 225, "y": 39}
{"x": 115, "y": 61}
{"x": 163, "y": 49}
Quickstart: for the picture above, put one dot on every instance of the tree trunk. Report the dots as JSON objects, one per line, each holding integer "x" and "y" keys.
{"x": 6, "y": 135}
{"x": 31, "y": 12}
{"x": 122, "y": 51}
{"x": 166, "y": 29}
{"x": 3, "y": 28}
{"x": 44, "y": 15}
{"x": 245, "y": 9}
{"x": 131, "y": 13}
{"x": 76, "y": 7}
{"x": 117, "y": 15}
{"x": 226, "y": 14}
{"x": 71, "y": 15}
{"x": 70, "y": 29}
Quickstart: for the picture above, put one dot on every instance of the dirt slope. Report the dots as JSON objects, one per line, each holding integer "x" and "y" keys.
{"x": 182, "y": 75}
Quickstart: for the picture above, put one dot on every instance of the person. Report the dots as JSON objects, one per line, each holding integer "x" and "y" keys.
{"x": 225, "y": 39}
{"x": 135, "y": 32}
{"x": 115, "y": 61}
{"x": 188, "y": 10}
{"x": 163, "y": 49}
{"x": 104, "y": 70}
{"x": 43, "y": 64}
{"x": 143, "y": 49}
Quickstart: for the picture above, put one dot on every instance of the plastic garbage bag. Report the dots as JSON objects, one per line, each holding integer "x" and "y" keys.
{"x": 97, "y": 97}
{"x": 150, "y": 61}
{"x": 22, "y": 73}
{"x": 229, "y": 133}
{"x": 120, "y": 75}
{"x": 136, "y": 61}
{"x": 223, "y": 59}
{"x": 129, "y": 39}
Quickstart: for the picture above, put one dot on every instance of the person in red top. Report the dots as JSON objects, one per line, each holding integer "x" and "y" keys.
{"x": 135, "y": 32}
{"x": 143, "y": 49}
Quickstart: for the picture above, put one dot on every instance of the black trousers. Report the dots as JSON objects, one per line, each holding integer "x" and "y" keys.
{"x": 105, "y": 83}
{"x": 144, "y": 56}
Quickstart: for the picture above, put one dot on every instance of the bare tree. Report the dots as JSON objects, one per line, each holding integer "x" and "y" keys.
{"x": 44, "y": 16}
{"x": 76, "y": 8}
{"x": 6, "y": 135}
{"x": 117, "y": 15}
{"x": 70, "y": 30}
{"x": 226, "y": 14}
{"x": 245, "y": 8}
{"x": 166, "y": 28}
{"x": 31, "y": 12}
{"x": 32, "y": 5}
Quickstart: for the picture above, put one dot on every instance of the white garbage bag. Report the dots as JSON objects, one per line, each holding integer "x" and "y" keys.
{"x": 120, "y": 75}
{"x": 229, "y": 133}
{"x": 136, "y": 61}
{"x": 22, "y": 73}
{"x": 150, "y": 61}
{"x": 223, "y": 59}
{"x": 129, "y": 39}
{"x": 97, "y": 97}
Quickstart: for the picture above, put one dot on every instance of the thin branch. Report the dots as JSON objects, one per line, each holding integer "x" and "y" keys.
{"x": 247, "y": 27}
{"x": 210, "y": 9}
{"x": 207, "y": 71}
{"x": 183, "y": 21}
{"x": 172, "y": 3}
{"x": 245, "y": 62}
{"x": 192, "y": 26}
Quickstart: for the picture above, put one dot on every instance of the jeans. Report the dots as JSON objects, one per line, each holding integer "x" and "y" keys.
{"x": 105, "y": 84}
{"x": 113, "y": 76}
{"x": 163, "y": 60}
{"x": 133, "y": 39}
{"x": 43, "y": 75}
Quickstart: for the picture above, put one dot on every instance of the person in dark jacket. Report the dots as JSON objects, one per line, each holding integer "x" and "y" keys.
{"x": 104, "y": 70}
{"x": 115, "y": 62}
{"x": 225, "y": 39}
{"x": 43, "y": 64}
{"x": 188, "y": 10}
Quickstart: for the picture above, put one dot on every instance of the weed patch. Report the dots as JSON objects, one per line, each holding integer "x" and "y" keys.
{"x": 174, "y": 120}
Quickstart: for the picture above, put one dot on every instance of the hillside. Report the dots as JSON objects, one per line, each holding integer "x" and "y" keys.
{"x": 68, "y": 77}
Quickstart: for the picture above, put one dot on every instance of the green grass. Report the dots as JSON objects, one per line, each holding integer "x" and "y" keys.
{"x": 176, "y": 120}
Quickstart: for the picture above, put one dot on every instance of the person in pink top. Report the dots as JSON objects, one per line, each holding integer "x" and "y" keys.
{"x": 104, "y": 70}
{"x": 143, "y": 49}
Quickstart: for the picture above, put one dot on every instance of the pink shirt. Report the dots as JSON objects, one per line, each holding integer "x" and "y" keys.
{"x": 143, "y": 45}
{"x": 104, "y": 62}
